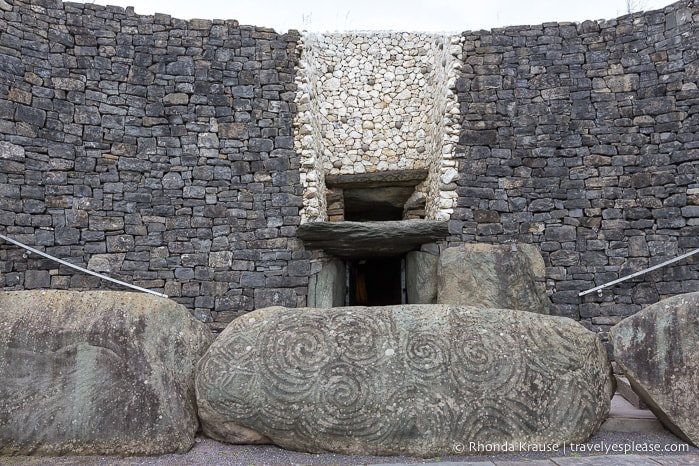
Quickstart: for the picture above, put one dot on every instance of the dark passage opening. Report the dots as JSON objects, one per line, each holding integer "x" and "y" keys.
{"x": 375, "y": 281}
{"x": 374, "y": 197}
{"x": 375, "y": 204}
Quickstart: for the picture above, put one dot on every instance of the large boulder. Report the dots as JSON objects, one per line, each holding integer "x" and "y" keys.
{"x": 421, "y": 380}
{"x": 658, "y": 349}
{"x": 506, "y": 276}
{"x": 93, "y": 373}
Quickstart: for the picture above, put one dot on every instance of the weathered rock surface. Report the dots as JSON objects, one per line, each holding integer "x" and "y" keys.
{"x": 362, "y": 239}
{"x": 327, "y": 287}
{"x": 402, "y": 380}
{"x": 97, "y": 373}
{"x": 503, "y": 276}
{"x": 421, "y": 277}
{"x": 378, "y": 179}
{"x": 658, "y": 349}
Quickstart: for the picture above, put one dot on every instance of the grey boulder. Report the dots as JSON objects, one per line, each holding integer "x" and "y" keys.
{"x": 419, "y": 380}
{"x": 658, "y": 349}
{"x": 97, "y": 373}
{"x": 505, "y": 276}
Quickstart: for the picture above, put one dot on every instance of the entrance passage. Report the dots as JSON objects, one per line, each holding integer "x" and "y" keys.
{"x": 376, "y": 281}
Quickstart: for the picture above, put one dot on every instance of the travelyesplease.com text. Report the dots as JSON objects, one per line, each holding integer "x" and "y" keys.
{"x": 566, "y": 448}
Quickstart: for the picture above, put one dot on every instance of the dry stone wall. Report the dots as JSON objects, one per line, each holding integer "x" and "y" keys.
{"x": 182, "y": 155}
{"x": 584, "y": 140}
{"x": 156, "y": 150}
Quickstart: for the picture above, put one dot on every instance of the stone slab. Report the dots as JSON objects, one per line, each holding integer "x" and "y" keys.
{"x": 658, "y": 350}
{"x": 509, "y": 276}
{"x": 612, "y": 460}
{"x": 412, "y": 380}
{"x": 97, "y": 373}
{"x": 371, "y": 239}
{"x": 421, "y": 277}
{"x": 377, "y": 179}
{"x": 327, "y": 287}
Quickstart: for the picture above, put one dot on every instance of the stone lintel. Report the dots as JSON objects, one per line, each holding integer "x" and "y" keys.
{"x": 371, "y": 239}
{"x": 377, "y": 179}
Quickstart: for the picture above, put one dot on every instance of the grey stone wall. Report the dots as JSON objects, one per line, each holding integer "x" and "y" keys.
{"x": 583, "y": 139}
{"x": 156, "y": 150}
{"x": 161, "y": 152}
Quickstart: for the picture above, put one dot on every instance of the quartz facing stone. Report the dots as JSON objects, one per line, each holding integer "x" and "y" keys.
{"x": 418, "y": 380}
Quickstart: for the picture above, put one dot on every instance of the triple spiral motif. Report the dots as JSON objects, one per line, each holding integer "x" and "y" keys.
{"x": 322, "y": 378}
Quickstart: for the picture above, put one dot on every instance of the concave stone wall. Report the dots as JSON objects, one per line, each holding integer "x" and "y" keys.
{"x": 156, "y": 150}
{"x": 170, "y": 153}
{"x": 584, "y": 140}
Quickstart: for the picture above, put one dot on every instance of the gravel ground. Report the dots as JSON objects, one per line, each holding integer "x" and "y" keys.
{"x": 209, "y": 452}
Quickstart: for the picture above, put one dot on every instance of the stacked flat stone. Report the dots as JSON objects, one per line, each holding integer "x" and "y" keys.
{"x": 182, "y": 155}
{"x": 156, "y": 150}
{"x": 582, "y": 139}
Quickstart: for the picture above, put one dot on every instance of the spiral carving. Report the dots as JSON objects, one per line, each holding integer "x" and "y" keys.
{"x": 346, "y": 401}
{"x": 242, "y": 351}
{"x": 496, "y": 421}
{"x": 296, "y": 348}
{"x": 568, "y": 357}
{"x": 422, "y": 413}
{"x": 426, "y": 354}
{"x": 410, "y": 380}
{"x": 359, "y": 337}
{"x": 236, "y": 403}
{"x": 569, "y": 405}
{"x": 343, "y": 390}
{"x": 486, "y": 362}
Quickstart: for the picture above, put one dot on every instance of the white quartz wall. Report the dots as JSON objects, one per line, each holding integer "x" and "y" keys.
{"x": 371, "y": 102}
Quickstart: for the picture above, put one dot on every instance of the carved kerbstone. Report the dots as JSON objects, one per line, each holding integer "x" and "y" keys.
{"x": 402, "y": 380}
